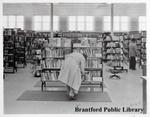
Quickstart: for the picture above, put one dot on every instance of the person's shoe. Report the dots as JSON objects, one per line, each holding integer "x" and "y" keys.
{"x": 75, "y": 96}
{"x": 71, "y": 95}
{"x": 70, "y": 98}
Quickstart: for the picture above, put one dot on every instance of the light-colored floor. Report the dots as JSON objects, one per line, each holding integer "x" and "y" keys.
{"x": 126, "y": 92}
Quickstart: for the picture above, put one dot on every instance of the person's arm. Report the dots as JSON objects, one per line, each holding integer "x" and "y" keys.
{"x": 136, "y": 51}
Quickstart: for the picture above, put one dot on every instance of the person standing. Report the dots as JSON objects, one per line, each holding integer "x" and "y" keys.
{"x": 71, "y": 71}
{"x": 132, "y": 54}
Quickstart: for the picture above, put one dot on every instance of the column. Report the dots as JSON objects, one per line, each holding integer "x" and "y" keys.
{"x": 112, "y": 19}
{"x": 51, "y": 20}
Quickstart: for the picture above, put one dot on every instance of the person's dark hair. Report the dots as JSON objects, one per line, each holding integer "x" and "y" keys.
{"x": 85, "y": 56}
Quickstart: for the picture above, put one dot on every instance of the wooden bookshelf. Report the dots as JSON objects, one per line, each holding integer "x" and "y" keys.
{"x": 59, "y": 56}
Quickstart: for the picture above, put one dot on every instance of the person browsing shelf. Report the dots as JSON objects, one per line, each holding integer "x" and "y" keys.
{"x": 71, "y": 73}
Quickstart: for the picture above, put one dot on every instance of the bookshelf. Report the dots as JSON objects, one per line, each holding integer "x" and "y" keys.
{"x": 92, "y": 46}
{"x": 106, "y": 39}
{"x": 93, "y": 65}
{"x": 9, "y": 51}
{"x": 115, "y": 56}
{"x": 143, "y": 47}
{"x": 53, "y": 57}
{"x": 29, "y": 35}
{"x": 20, "y": 48}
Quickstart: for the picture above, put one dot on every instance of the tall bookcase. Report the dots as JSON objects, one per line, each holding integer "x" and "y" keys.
{"x": 93, "y": 65}
{"x": 115, "y": 56}
{"x": 52, "y": 59}
{"x": 143, "y": 47}
{"x": 20, "y": 48}
{"x": 29, "y": 35}
{"x": 9, "y": 51}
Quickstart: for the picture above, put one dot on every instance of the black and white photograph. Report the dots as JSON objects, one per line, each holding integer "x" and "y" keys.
{"x": 74, "y": 58}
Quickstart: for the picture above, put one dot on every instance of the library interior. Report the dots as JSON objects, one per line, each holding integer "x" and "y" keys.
{"x": 64, "y": 58}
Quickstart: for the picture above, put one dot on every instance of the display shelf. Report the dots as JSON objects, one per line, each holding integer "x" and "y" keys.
{"x": 115, "y": 56}
{"x": 92, "y": 64}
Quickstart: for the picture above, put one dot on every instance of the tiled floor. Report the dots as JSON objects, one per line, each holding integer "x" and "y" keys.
{"x": 125, "y": 92}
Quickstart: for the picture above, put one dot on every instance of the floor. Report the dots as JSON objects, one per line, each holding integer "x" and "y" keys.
{"x": 124, "y": 92}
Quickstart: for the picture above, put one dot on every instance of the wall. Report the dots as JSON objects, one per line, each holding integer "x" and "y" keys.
{"x": 63, "y": 10}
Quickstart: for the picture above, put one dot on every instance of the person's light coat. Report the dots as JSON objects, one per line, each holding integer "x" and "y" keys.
{"x": 71, "y": 70}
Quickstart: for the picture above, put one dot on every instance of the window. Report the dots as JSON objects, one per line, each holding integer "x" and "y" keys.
{"x": 107, "y": 23}
{"x": 81, "y": 23}
{"x": 142, "y": 23}
{"x": 56, "y": 23}
{"x": 72, "y": 23}
{"x": 5, "y": 24}
{"x": 89, "y": 23}
{"x": 42, "y": 23}
{"x": 37, "y": 23}
{"x": 45, "y": 20}
{"x": 13, "y": 22}
{"x": 120, "y": 23}
{"x": 116, "y": 22}
{"x": 20, "y": 22}
{"x": 124, "y": 20}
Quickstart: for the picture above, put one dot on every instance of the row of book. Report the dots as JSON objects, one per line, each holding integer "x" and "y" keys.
{"x": 117, "y": 38}
{"x": 93, "y": 63}
{"x": 115, "y": 51}
{"x": 117, "y": 58}
{"x": 97, "y": 52}
{"x": 8, "y": 51}
{"x": 8, "y": 58}
{"x": 81, "y": 34}
{"x": 30, "y": 33}
{"x": 53, "y": 76}
{"x": 52, "y": 63}
{"x": 10, "y": 65}
{"x": 111, "y": 44}
{"x": 93, "y": 76}
{"x": 115, "y": 63}
{"x": 9, "y": 32}
{"x": 66, "y": 42}
{"x": 9, "y": 44}
{"x": 47, "y": 75}
{"x": 134, "y": 34}
{"x": 57, "y": 63}
{"x": 55, "y": 42}
{"x": 54, "y": 52}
